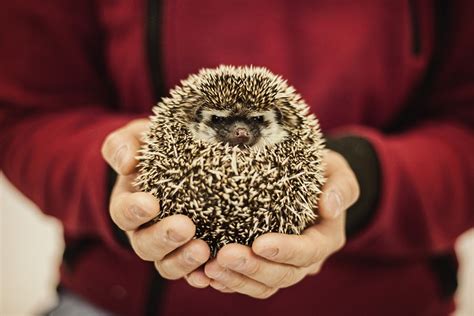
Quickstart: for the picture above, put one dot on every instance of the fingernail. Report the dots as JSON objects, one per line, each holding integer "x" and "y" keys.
{"x": 174, "y": 236}
{"x": 120, "y": 156}
{"x": 218, "y": 286}
{"x": 189, "y": 257}
{"x": 237, "y": 264}
{"x": 199, "y": 281}
{"x": 138, "y": 211}
{"x": 269, "y": 252}
{"x": 216, "y": 274}
{"x": 334, "y": 203}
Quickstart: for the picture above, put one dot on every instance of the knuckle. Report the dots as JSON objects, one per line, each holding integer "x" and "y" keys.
{"x": 265, "y": 293}
{"x": 106, "y": 145}
{"x": 253, "y": 269}
{"x": 285, "y": 279}
{"x": 128, "y": 215}
{"x": 337, "y": 157}
{"x": 315, "y": 269}
{"x": 237, "y": 283}
{"x": 325, "y": 251}
{"x": 111, "y": 141}
{"x": 136, "y": 123}
{"x": 352, "y": 189}
{"x": 309, "y": 260}
{"x": 130, "y": 124}
{"x": 318, "y": 254}
{"x": 121, "y": 218}
{"x": 355, "y": 190}
{"x": 311, "y": 257}
{"x": 115, "y": 218}
{"x": 311, "y": 250}
{"x": 288, "y": 255}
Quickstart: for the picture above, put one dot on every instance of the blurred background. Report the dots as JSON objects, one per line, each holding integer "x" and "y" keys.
{"x": 31, "y": 247}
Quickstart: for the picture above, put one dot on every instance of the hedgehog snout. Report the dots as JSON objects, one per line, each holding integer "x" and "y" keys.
{"x": 240, "y": 135}
{"x": 241, "y": 132}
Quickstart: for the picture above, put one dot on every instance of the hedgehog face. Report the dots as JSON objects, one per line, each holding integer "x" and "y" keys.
{"x": 239, "y": 107}
{"x": 240, "y": 126}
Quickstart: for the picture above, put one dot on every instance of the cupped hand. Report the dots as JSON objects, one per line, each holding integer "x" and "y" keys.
{"x": 276, "y": 260}
{"x": 169, "y": 242}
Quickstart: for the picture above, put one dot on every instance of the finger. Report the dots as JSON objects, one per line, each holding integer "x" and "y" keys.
{"x": 183, "y": 260}
{"x": 333, "y": 231}
{"x": 120, "y": 147}
{"x": 315, "y": 244}
{"x": 128, "y": 209}
{"x": 198, "y": 279}
{"x": 315, "y": 268}
{"x": 241, "y": 259}
{"x": 153, "y": 243}
{"x": 124, "y": 184}
{"x": 220, "y": 287}
{"x": 341, "y": 189}
{"x": 236, "y": 281}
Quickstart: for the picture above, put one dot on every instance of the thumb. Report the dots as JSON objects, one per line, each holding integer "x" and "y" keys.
{"x": 341, "y": 189}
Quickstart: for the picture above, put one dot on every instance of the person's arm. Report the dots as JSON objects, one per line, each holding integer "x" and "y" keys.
{"x": 55, "y": 111}
{"x": 427, "y": 170}
{"x": 424, "y": 202}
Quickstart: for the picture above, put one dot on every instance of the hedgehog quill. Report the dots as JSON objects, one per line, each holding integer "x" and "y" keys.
{"x": 237, "y": 151}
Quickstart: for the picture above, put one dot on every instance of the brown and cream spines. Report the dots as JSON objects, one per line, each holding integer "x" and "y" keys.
{"x": 233, "y": 193}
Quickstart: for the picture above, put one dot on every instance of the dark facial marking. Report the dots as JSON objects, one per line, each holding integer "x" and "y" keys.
{"x": 215, "y": 119}
{"x": 257, "y": 119}
{"x": 238, "y": 129}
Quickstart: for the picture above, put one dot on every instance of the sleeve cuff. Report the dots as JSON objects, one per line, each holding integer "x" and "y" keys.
{"x": 362, "y": 158}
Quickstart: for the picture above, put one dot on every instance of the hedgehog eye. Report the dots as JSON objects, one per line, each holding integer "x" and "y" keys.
{"x": 258, "y": 119}
{"x": 217, "y": 119}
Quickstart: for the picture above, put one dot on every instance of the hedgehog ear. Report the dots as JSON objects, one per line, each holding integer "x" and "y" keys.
{"x": 289, "y": 117}
{"x": 278, "y": 114}
{"x": 193, "y": 114}
{"x": 197, "y": 115}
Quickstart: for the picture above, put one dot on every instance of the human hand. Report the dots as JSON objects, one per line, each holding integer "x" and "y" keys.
{"x": 169, "y": 242}
{"x": 276, "y": 260}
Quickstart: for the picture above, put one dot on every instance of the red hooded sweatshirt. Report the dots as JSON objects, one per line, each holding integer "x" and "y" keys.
{"x": 398, "y": 74}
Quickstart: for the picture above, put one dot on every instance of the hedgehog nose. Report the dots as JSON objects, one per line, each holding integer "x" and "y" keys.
{"x": 241, "y": 132}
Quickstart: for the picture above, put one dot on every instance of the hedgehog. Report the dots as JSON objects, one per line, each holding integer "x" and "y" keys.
{"x": 236, "y": 150}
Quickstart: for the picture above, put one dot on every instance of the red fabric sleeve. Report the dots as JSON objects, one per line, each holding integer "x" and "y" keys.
{"x": 55, "y": 111}
{"x": 427, "y": 194}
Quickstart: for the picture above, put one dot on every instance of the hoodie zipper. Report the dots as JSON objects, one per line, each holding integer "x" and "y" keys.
{"x": 415, "y": 27}
{"x": 154, "y": 49}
